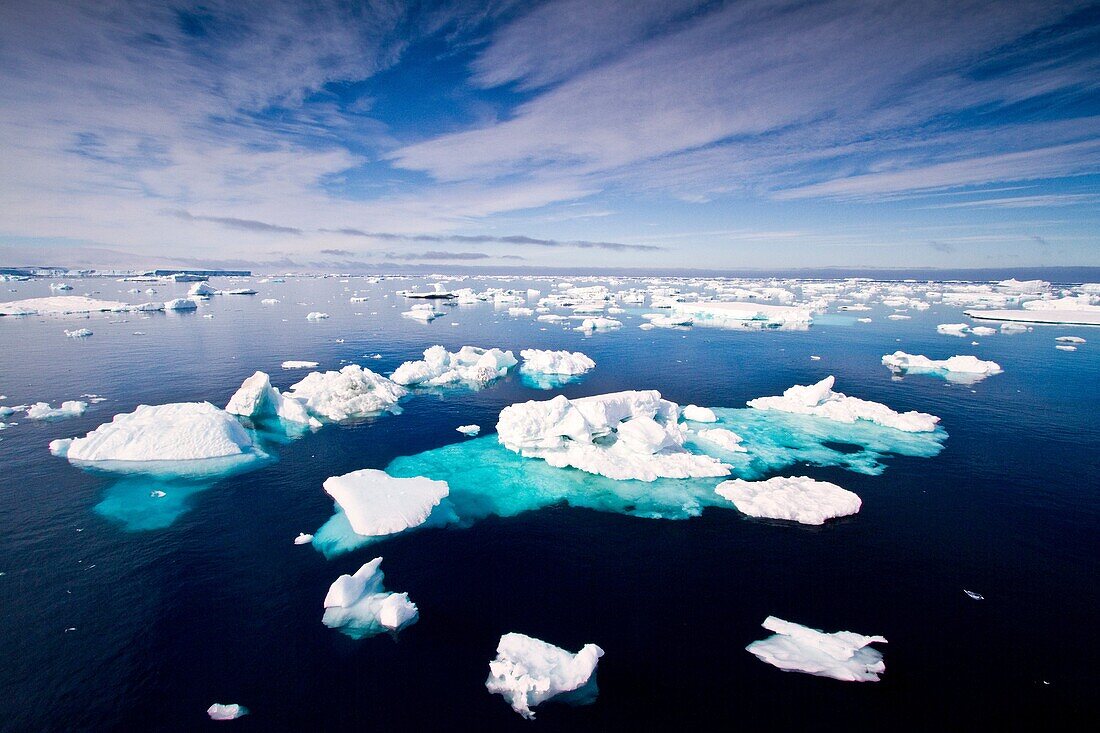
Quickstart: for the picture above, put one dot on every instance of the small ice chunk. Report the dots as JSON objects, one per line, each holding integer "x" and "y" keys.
{"x": 69, "y": 408}
{"x": 983, "y": 331}
{"x": 470, "y": 366}
{"x": 529, "y": 671}
{"x": 376, "y": 503}
{"x": 842, "y": 655}
{"x": 292, "y": 364}
{"x": 1070, "y": 339}
{"x": 953, "y": 329}
{"x": 974, "y": 596}
{"x": 303, "y": 538}
{"x": 180, "y": 304}
{"x": 540, "y": 361}
{"x": 799, "y": 499}
{"x": 316, "y": 316}
{"x": 724, "y": 439}
{"x": 469, "y": 429}
{"x": 78, "y": 333}
{"x": 1065, "y": 347}
{"x": 360, "y": 606}
{"x": 350, "y": 393}
{"x": 699, "y": 414}
{"x": 819, "y": 399}
{"x": 970, "y": 366}
{"x": 589, "y": 325}
{"x": 217, "y": 711}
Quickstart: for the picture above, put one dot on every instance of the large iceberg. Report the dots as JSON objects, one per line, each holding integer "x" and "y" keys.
{"x": 182, "y": 431}
{"x": 798, "y": 499}
{"x": 624, "y": 435}
{"x": 360, "y": 606}
{"x": 820, "y": 399}
{"x": 529, "y": 671}
{"x": 58, "y": 305}
{"x": 468, "y": 366}
{"x": 962, "y": 369}
{"x": 842, "y": 655}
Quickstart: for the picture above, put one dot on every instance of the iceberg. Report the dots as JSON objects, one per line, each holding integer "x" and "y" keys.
{"x": 529, "y": 671}
{"x": 359, "y": 605}
{"x": 799, "y": 499}
{"x": 469, "y": 366}
{"x": 69, "y": 408}
{"x": 303, "y": 538}
{"x": 820, "y": 399}
{"x": 1070, "y": 339}
{"x": 694, "y": 413}
{"x": 960, "y": 369}
{"x": 182, "y": 431}
{"x": 60, "y": 305}
{"x": 953, "y": 329}
{"x": 78, "y": 333}
{"x": 351, "y": 393}
{"x": 727, "y": 440}
{"x": 376, "y": 503}
{"x": 316, "y": 316}
{"x": 257, "y": 399}
{"x": 201, "y": 290}
{"x": 589, "y": 325}
{"x": 217, "y": 711}
{"x": 1082, "y": 316}
{"x": 470, "y": 430}
{"x": 180, "y": 304}
{"x": 732, "y": 313}
{"x": 292, "y": 364}
{"x": 555, "y": 362}
{"x": 624, "y": 435}
{"x": 842, "y": 655}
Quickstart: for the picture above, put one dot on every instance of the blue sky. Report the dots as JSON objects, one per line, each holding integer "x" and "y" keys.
{"x": 616, "y": 133}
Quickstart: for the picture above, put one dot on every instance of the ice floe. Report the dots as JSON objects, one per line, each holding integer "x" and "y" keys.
{"x": 529, "y": 671}
{"x": 69, "y": 408}
{"x": 180, "y": 304}
{"x": 727, "y": 440}
{"x": 257, "y": 399}
{"x": 303, "y": 538}
{"x": 543, "y": 369}
{"x": 1084, "y": 316}
{"x": 820, "y": 399}
{"x": 953, "y": 329}
{"x": 624, "y": 435}
{"x": 378, "y": 504}
{"x": 470, "y": 430}
{"x": 359, "y": 605}
{"x": 78, "y": 333}
{"x": 182, "y": 431}
{"x": 348, "y": 394}
{"x": 292, "y": 364}
{"x": 590, "y": 325}
{"x": 469, "y": 366}
{"x": 842, "y": 655}
{"x": 316, "y": 316}
{"x": 960, "y": 369}
{"x": 727, "y": 313}
{"x": 798, "y": 499}
{"x": 694, "y": 413}
{"x": 59, "y": 305}
{"x": 232, "y": 711}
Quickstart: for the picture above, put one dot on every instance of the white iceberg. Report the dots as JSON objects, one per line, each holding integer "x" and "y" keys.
{"x": 69, "y": 408}
{"x": 720, "y": 313}
{"x": 588, "y": 325}
{"x": 694, "y": 413}
{"x": 377, "y": 504}
{"x": 217, "y": 711}
{"x": 180, "y": 304}
{"x": 953, "y": 329}
{"x": 59, "y": 305}
{"x": 529, "y": 671}
{"x": 360, "y": 606}
{"x": 303, "y": 538}
{"x": 965, "y": 369}
{"x": 842, "y": 655}
{"x": 470, "y": 430}
{"x": 798, "y": 499}
{"x": 257, "y": 399}
{"x": 316, "y": 316}
{"x": 820, "y": 400}
{"x": 180, "y": 431}
{"x": 727, "y": 440}
{"x": 469, "y": 365}
{"x": 201, "y": 290}
{"x": 1082, "y": 316}
{"x": 1070, "y": 339}
{"x": 350, "y": 393}
{"x": 624, "y": 435}
{"x": 292, "y": 364}
{"x": 540, "y": 361}
{"x": 78, "y": 333}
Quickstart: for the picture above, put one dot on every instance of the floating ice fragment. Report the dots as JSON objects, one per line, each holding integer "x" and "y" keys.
{"x": 1070, "y": 339}
{"x": 350, "y": 393}
{"x": 303, "y": 538}
{"x": 299, "y": 364}
{"x": 727, "y": 440}
{"x": 157, "y": 494}
{"x": 69, "y": 408}
{"x": 695, "y": 413}
{"x": 79, "y": 333}
{"x": 529, "y": 671}
{"x": 842, "y": 655}
{"x": 798, "y": 499}
{"x": 555, "y": 362}
{"x": 469, "y": 366}
{"x": 470, "y": 430}
{"x": 965, "y": 369}
{"x": 953, "y": 329}
{"x": 1065, "y": 347}
{"x": 588, "y": 325}
{"x": 975, "y": 596}
{"x": 376, "y": 503}
{"x": 316, "y": 316}
{"x": 180, "y": 304}
{"x": 217, "y": 711}
{"x": 360, "y": 606}
{"x": 820, "y": 399}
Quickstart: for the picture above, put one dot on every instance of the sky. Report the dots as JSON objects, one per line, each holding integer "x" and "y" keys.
{"x": 340, "y": 135}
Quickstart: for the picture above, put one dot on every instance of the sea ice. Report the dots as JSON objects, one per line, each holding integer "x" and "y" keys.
{"x": 299, "y": 364}
{"x": 725, "y": 312}
{"x": 953, "y": 329}
{"x": 555, "y": 362}
{"x": 624, "y": 435}
{"x": 78, "y": 333}
{"x": 257, "y": 399}
{"x": 842, "y": 655}
{"x": 376, "y": 503}
{"x": 180, "y": 304}
{"x": 798, "y": 499}
{"x": 217, "y": 711}
{"x": 58, "y": 305}
{"x": 201, "y": 290}
{"x": 360, "y": 606}
{"x": 725, "y": 439}
{"x": 316, "y": 316}
{"x": 1070, "y": 339}
{"x": 303, "y": 538}
{"x": 588, "y": 325}
{"x": 963, "y": 369}
{"x": 69, "y": 408}
{"x": 350, "y": 393}
{"x": 820, "y": 399}
{"x": 694, "y": 413}
{"x": 1084, "y": 315}
{"x": 468, "y": 366}
{"x": 529, "y": 671}
{"x": 470, "y": 430}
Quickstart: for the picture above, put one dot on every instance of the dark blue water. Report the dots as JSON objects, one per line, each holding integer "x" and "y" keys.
{"x": 221, "y": 607}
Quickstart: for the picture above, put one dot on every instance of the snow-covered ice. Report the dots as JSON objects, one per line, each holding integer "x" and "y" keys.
{"x": 953, "y": 329}
{"x": 69, "y": 408}
{"x": 589, "y": 325}
{"x": 555, "y": 362}
{"x": 350, "y": 393}
{"x": 303, "y": 538}
{"x": 360, "y": 606}
{"x": 842, "y": 655}
{"x": 963, "y": 369}
{"x": 59, "y": 305}
{"x": 232, "y": 711}
{"x": 470, "y": 430}
{"x": 820, "y": 399}
{"x": 726, "y": 440}
{"x": 316, "y": 316}
{"x": 292, "y": 364}
{"x": 377, "y": 504}
{"x": 180, "y": 304}
{"x": 469, "y": 366}
{"x": 529, "y": 671}
{"x": 257, "y": 399}
{"x": 78, "y": 333}
{"x": 797, "y": 499}
{"x": 694, "y": 413}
